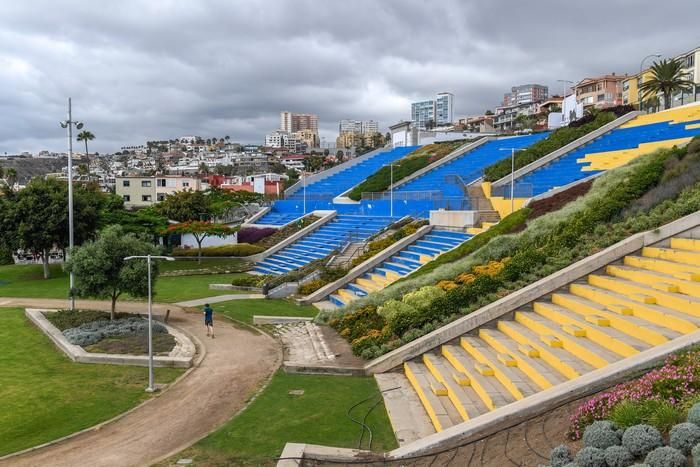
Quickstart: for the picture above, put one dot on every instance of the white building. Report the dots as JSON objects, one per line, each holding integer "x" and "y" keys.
{"x": 444, "y": 112}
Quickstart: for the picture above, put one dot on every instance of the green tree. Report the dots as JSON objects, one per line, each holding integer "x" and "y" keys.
{"x": 200, "y": 230}
{"x": 36, "y": 218}
{"x": 101, "y": 272}
{"x": 11, "y": 177}
{"x": 667, "y": 78}
{"x": 86, "y": 136}
{"x": 184, "y": 206}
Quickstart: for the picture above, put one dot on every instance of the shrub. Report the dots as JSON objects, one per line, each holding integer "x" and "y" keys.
{"x": 601, "y": 435}
{"x": 364, "y": 343}
{"x": 590, "y": 457}
{"x": 67, "y": 319}
{"x": 236, "y": 249}
{"x": 618, "y": 456}
{"x": 254, "y": 234}
{"x": 247, "y": 280}
{"x": 641, "y": 439}
{"x": 95, "y": 331}
{"x": 560, "y": 456}
{"x": 311, "y": 286}
{"x": 627, "y": 414}
{"x": 694, "y": 414}
{"x": 696, "y": 455}
{"x": 665, "y": 457}
{"x": 357, "y": 324}
{"x": 664, "y": 415}
{"x": 423, "y": 297}
{"x": 684, "y": 436}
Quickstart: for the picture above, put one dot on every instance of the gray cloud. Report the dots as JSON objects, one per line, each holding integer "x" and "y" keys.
{"x": 154, "y": 69}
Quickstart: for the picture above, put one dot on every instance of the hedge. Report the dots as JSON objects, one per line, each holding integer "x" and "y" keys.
{"x": 236, "y": 249}
{"x": 381, "y": 179}
{"x": 558, "y": 139}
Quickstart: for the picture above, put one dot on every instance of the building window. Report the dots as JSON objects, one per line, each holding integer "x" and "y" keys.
{"x": 185, "y": 183}
{"x": 126, "y": 183}
{"x": 690, "y": 60}
{"x": 160, "y": 182}
{"x": 146, "y": 198}
{"x": 160, "y": 196}
{"x": 145, "y": 183}
{"x": 127, "y": 198}
{"x": 601, "y": 97}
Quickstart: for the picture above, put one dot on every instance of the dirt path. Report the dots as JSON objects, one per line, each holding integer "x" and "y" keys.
{"x": 237, "y": 362}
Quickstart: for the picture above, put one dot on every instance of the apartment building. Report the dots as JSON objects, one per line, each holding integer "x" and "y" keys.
{"x": 292, "y": 122}
{"x": 434, "y": 112}
{"x": 601, "y": 91}
{"x": 526, "y": 94}
{"x": 444, "y": 111}
{"x": 141, "y": 191}
{"x": 691, "y": 68}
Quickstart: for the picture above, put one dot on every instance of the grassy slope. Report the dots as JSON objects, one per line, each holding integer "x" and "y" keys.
{"x": 243, "y": 310}
{"x": 259, "y": 433}
{"x": 27, "y": 281}
{"x": 44, "y": 396}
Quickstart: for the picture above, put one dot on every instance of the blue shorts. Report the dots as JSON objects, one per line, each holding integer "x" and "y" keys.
{"x": 208, "y": 322}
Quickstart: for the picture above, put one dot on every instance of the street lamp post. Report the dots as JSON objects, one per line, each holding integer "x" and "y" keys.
{"x": 148, "y": 258}
{"x": 512, "y": 175}
{"x": 641, "y": 78}
{"x": 565, "y": 81}
{"x": 69, "y": 125}
{"x": 303, "y": 178}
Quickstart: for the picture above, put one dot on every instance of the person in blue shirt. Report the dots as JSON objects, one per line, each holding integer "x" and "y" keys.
{"x": 209, "y": 320}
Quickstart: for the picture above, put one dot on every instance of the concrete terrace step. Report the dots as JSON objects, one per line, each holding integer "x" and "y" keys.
{"x": 633, "y": 306}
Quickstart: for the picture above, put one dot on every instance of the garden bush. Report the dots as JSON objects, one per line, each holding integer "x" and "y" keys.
{"x": 247, "y": 280}
{"x": 376, "y": 246}
{"x": 254, "y": 234}
{"x": 93, "y": 332}
{"x": 423, "y": 297}
{"x": 236, "y": 249}
{"x": 560, "y": 456}
{"x": 665, "y": 456}
{"x": 601, "y": 434}
{"x": 311, "y": 286}
{"x": 641, "y": 439}
{"x": 590, "y": 457}
{"x": 66, "y": 319}
{"x": 694, "y": 414}
{"x": 618, "y": 456}
{"x": 684, "y": 437}
{"x": 695, "y": 452}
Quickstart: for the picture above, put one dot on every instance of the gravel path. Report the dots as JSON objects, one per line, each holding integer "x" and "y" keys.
{"x": 236, "y": 364}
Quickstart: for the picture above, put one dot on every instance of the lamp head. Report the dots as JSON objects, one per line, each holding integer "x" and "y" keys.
{"x": 64, "y": 124}
{"x": 79, "y": 125}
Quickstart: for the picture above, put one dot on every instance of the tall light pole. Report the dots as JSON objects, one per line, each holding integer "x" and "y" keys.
{"x": 148, "y": 258}
{"x": 512, "y": 175}
{"x": 641, "y": 78}
{"x": 303, "y": 178}
{"x": 391, "y": 189}
{"x": 69, "y": 125}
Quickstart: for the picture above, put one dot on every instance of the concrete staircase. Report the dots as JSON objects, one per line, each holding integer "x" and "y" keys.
{"x": 632, "y": 305}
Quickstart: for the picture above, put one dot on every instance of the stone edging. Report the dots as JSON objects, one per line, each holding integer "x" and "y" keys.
{"x": 78, "y": 354}
{"x": 264, "y": 319}
{"x": 529, "y": 293}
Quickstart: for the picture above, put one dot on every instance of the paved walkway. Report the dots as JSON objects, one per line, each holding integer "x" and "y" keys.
{"x": 237, "y": 362}
{"x": 219, "y": 298}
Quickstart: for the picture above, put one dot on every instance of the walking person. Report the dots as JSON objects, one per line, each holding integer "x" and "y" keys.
{"x": 209, "y": 320}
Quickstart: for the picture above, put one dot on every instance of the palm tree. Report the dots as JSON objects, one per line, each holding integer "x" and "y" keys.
{"x": 667, "y": 78}
{"x": 86, "y": 136}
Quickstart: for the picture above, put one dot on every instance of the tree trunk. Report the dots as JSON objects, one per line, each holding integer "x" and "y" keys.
{"x": 199, "y": 253}
{"x": 87, "y": 157}
{"x": 45, "y": 260}
{"x": 114, "y": 306}
{"x": 667, "y": 101}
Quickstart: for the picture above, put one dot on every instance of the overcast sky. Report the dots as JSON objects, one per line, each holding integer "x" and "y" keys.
{"x": 159, "y": 69}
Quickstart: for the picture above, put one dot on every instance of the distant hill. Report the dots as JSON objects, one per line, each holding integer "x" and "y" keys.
{"x": 28, "y": 168}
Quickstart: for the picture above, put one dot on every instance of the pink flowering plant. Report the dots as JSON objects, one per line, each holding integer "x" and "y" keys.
{"x": 676, "y": 382}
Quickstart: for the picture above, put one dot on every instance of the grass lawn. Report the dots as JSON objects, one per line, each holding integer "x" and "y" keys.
{"x": 27, "y": 281}
{"x": 243, "y": 310}
{"x": 259, "y": 433}
{"x": 44, "y": 396}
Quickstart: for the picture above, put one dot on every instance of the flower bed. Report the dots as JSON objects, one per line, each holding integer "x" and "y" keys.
{"x": 236, "y": 249}
{"x": 659, "y": 398}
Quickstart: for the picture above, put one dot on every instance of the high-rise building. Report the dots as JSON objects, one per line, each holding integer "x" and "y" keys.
{"x": 293, "y": 122}
{"x": 369, "y": 127}
{"x": 438, "y": 112}
{"x": 444, "y": 114}
{"x": 365, "y": 127}
{"x": 423, "y": 114}
{"x": 526, "y": 94}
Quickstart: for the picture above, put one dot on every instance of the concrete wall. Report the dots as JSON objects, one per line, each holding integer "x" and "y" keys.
{"x": 454, "y": 218}
{"x": 568, "y": 148}
{"x": 532, "y": 292}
